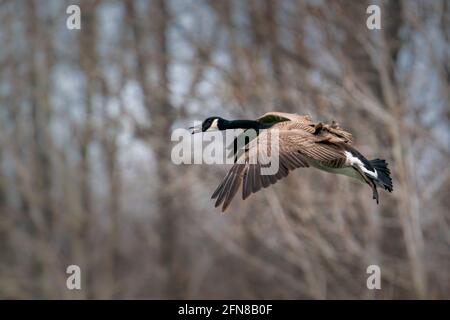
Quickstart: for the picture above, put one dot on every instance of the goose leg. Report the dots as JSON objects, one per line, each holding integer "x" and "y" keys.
{"x": 370, "y": 182}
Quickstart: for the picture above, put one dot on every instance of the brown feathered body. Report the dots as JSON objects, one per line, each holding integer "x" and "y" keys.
{"x": 301, "y": 143}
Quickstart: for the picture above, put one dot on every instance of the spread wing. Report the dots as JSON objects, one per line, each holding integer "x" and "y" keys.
{"x": 324, "y": 132}
{"x": 295, "y": 148}
{"x": 282, "y": 120}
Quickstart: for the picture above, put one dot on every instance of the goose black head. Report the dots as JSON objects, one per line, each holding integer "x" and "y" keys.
{"x": 210, "y": 124}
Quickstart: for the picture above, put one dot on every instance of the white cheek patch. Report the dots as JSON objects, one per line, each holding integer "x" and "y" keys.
{"x": 214, "y": 126}
{"x": 352, "y": 160}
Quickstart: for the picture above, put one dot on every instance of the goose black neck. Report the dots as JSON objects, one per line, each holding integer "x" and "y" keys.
{"x": 243, "y": 124}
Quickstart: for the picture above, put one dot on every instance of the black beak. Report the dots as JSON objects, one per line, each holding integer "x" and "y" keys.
{"x": 196, "y": 129}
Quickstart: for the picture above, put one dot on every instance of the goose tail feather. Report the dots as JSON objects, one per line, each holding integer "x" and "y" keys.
{"x": 384, "y": 179}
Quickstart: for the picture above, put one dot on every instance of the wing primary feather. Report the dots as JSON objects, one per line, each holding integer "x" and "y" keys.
{"x": 246, "y": 185}
{"x": 256, "y": 178}
{"x": 234, "y": 186}
{"x": 219, "y": 188}
{"x": 265, "y": 180}
{"x": 226, "y": 186}
{"x": 272, "y": 177}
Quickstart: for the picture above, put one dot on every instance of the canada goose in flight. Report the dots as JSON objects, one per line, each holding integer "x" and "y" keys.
{"x": 301, "y": 143}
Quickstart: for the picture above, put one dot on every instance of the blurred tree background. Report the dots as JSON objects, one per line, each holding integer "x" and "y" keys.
{"x": 85, "y": 171}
